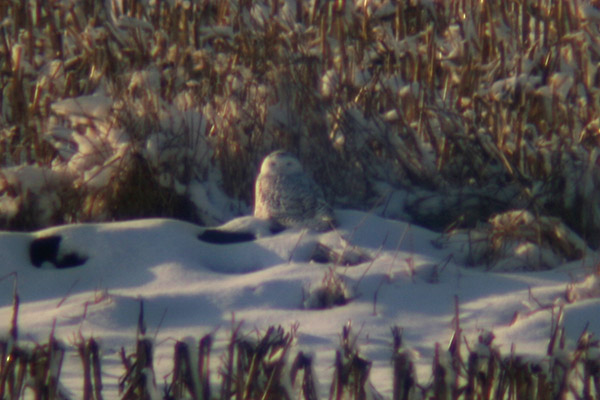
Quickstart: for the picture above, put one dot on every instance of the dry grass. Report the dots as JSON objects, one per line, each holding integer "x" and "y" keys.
{"x": 495, "y": 98}
{"x": 256, "y": 366}
{"x": 332, "y": 292}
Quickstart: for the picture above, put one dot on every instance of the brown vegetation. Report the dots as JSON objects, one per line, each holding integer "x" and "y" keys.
{"x": 495, "y": 100}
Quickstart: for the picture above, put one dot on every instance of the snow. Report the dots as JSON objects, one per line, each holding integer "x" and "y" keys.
{"x": 93, "y": 106}
{"x": 191, "y": 288}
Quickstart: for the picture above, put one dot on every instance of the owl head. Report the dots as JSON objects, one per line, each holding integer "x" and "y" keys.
{"x": 281, "y": 163}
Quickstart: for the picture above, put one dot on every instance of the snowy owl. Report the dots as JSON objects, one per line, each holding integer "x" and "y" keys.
{"x": 288, "y": 197}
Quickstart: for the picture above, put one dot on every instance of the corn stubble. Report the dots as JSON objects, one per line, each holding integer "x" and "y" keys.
{"x": 257, "y": 366}
{"x": 499, "y": 95}
{"x": 497, "y": 99}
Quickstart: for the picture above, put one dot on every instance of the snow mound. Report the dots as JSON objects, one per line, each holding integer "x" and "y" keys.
{"x": 191, "y": 288}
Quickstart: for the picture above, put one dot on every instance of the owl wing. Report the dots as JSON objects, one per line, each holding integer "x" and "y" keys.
{"x": 296, "y": 198}
{"x": 324, "y": 217}
{"x": 303, "y": 204}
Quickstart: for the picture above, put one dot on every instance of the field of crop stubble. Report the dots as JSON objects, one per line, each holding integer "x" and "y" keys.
{"x": 442, "y": 113}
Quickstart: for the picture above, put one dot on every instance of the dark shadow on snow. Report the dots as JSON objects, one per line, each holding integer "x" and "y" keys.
{"x": 47, "y": 249}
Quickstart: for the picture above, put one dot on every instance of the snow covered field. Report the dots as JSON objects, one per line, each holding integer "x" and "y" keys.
{"x": 479, "y": 115}
{"x": 191, "y": 288}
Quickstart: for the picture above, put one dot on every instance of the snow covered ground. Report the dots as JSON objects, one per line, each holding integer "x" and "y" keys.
{"x": 191, "y": 288}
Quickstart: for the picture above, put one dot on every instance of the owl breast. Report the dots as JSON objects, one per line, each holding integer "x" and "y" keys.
{"x": 284, "y": 197}
{"x": 288, "y": 197}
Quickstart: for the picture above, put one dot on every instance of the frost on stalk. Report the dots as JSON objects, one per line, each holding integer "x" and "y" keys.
{"x": 329, "y": 83}
{"x": 331, "y": 293}
{"x": 82, "y": 109}
{"x": 589, "y": 288}
{"x": 32, "y": 197}
{"x": 99, "y": 145}
{"x": 518, "y": 240}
